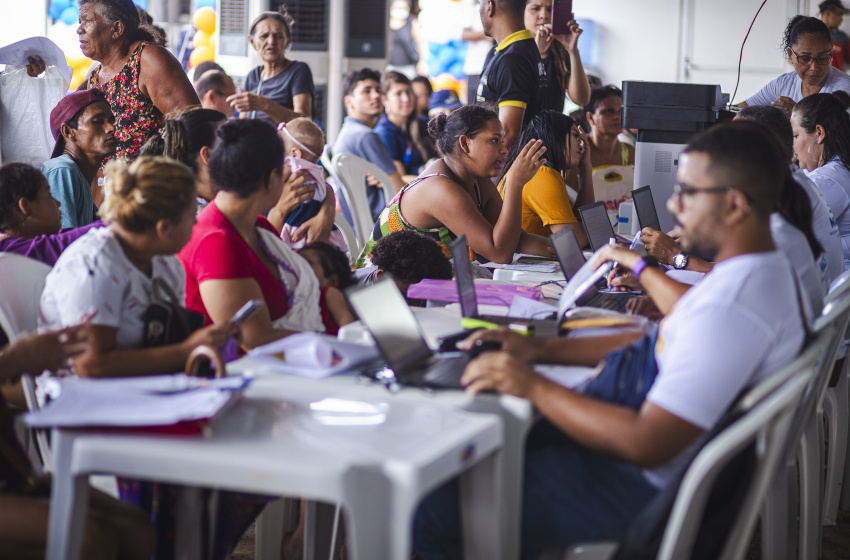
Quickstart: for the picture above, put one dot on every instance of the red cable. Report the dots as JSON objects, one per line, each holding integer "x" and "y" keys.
{"x": 741, "y": 57}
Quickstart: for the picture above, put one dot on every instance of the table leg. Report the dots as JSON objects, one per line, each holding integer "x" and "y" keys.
{"x": 188, "y": 537}
{"x": 272, "y": 524}
{"x": 367, "y": 503}
{"x": 320, "y": 530}
{"x": 481, "y": 505}
{"x": 68, "y": 502}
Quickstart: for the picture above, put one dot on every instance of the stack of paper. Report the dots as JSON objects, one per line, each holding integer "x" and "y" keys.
{"x": 162, "y": 400}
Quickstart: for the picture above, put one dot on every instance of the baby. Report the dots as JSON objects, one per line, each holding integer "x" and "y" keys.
{"x": 303, "y": 142}
{"x": 334, "y": 274}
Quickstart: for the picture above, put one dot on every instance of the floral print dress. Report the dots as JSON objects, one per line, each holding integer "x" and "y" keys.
{"x": 136, "y": 117}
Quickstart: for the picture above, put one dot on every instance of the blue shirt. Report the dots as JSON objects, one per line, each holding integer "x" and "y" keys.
{"x": 68, "y": 186}
{"x": 356, "y": 138}
{"x": 400, "y": 147}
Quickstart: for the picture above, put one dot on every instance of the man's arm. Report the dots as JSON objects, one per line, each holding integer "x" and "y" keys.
{"x": 511, "y": 116}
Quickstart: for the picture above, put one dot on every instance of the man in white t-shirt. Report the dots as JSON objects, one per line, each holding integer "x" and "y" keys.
{"x": 592, "y": 466}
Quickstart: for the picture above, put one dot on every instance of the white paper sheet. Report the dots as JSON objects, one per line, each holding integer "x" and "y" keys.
{"x": 90, "y": 402}
{"x": 346, "y": 355}
{"x": 50, "y": 53}
{"x": 530, "y": 309}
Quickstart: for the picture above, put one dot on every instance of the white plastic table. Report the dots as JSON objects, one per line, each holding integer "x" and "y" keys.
{"x": 377, "y": 456}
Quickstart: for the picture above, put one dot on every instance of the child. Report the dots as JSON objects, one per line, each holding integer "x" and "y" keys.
{"x": 303, "y": 142}
{"x": 334, "y": 274}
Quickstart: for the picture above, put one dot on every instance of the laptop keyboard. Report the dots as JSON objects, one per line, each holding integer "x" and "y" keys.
{"x": 614, "y": 303}
{"x": 447, "y": 371}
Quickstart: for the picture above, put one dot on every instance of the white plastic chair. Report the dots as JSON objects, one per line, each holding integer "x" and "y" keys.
{"x": 21, "y": 283}
{"x": 768, "y": 415}
{"x": 351, "y": 172}
{"x": 834, "y": 415}
{"x": 799, "y": 484}
{"x": 348, "y": 234}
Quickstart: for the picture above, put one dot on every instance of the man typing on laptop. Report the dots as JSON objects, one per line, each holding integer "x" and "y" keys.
{"x": 593, "y": 463}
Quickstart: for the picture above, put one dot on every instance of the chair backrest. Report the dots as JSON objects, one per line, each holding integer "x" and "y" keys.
{"x": 838, "y": 286}
{"x": 21, "y": 283}
{"x": 348, "y": 234}
{"x": 351, "y": 172}
{"x": 766, "y": 421}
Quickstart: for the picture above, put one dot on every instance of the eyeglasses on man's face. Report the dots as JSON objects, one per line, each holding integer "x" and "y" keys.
{"x": 680, "y": 191}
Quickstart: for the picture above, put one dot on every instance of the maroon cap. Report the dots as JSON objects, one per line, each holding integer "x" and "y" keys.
{"x": 65, "y": 110}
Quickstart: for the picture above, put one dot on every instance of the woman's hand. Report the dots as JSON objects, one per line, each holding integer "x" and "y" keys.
{"x": 51, "y": 351}
{"x": 213, "y": 335}
{"x": 585, "y": 150}
{"x": 526, "y": 164}
{"x": 786, "y": 104}
{"x": 36, "y": 66}
{"x": 296, "y": 190}
{"x": 245, "y": 101}
{"x": 570, "y": 40}
{"x": 543, "y": 39}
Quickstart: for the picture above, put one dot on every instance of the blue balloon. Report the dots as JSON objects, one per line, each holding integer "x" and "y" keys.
{"x": 143, "y": 4}
{"x": 54, "y": 12}
{"x": 61, "y": 5}
{"x": 70, "y": 15}
{"x": 204, "y": 4}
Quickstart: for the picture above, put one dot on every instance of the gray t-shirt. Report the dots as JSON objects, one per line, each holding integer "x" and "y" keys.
{"x": 356, "y": 138}
{"x": 790, "y": 85}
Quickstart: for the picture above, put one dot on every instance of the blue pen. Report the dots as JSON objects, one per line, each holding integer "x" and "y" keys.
{"x": 634, "y": 242}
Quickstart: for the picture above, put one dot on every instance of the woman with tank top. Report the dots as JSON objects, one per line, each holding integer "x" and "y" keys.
{"x": 455, "y": 196}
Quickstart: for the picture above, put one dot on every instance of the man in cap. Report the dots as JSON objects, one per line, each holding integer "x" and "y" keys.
{"x": 84, "y": 128}
{"x": 832, "y": 13}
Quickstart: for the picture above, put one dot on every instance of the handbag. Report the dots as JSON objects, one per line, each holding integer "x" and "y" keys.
{"x": 165, "y": 321}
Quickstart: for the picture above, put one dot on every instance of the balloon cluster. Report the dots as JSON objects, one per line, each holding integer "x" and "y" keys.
{"x": 204, "y": 40}
{"x": 68, "y": 12}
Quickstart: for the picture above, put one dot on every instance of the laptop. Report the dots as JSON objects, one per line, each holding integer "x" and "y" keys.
{"x": 571, "y": 260}
{"x": 645, "y": 207}
{"x": 597, "y": 224}
{"x": 470, "y": 318}
{"x": 398, "y": 336}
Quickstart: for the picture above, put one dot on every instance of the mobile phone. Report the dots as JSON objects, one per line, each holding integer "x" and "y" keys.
{"x": 246, "y": 311}
{"x": 562, "y": 13}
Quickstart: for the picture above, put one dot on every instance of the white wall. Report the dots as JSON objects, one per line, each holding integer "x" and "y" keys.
{"x": 20, "y": 19}
{"x": 635, "y": 40}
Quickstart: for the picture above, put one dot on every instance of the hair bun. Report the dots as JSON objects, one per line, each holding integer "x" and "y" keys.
{"x": 228, "y": 134}
{"x": 437, "y": 126}
{"x": 842, "y": 97}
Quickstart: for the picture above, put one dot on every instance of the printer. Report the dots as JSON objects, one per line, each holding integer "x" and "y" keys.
{"x": 667, "y": 115}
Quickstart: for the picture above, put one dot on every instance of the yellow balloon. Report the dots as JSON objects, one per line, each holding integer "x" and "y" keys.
{"x": 204, "y": 20}
{"x": 201, "y": 54}
{"x": 201, "y": 39}
{"x": 212, "y": 42}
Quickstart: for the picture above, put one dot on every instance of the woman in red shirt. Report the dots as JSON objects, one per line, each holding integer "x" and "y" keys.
{"x": 235, "y": 254}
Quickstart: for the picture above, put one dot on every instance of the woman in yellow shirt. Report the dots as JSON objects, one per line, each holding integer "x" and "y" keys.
{"x": 546, "y": 205}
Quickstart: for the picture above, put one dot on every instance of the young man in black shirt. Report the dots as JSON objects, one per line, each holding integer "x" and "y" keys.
{"x": 513, "y": 75}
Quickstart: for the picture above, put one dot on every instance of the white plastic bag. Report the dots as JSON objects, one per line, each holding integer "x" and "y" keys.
{"x": 25, "y": 105}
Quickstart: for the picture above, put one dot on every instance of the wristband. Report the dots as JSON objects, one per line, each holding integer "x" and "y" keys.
{"x": 641, "y": 264}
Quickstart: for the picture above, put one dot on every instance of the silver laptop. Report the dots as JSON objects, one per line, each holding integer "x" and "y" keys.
{"x": 572, "y": 260}
{"x": 645, "y": 207}
{"x": 397, "y": 333}
{"x": 597, "y": 224}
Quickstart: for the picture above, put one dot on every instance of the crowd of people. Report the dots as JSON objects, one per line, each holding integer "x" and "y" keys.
{"x": 211, "y": 195}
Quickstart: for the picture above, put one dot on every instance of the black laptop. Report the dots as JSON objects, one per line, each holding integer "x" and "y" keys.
{"x": 398, "y": 336}
{"x": 598, "y": 226}
{"x": 571, "y": 259}
{"x": 471, "y": 319}
{"x": 645, "y": 207}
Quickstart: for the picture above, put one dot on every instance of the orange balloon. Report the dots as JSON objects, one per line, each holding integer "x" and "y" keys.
{"x": 201, "y": 54}
{"x": 204, "y": 20}
{"x": 201, "y": 39}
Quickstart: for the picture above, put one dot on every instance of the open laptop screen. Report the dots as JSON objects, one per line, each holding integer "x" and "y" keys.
{"x": 463, "y": 277}
{"x": 382, "y": 308}
{"x": 597, "y": 224}
{"x": 645, "y": 206}
{"x": 568, "y": 251}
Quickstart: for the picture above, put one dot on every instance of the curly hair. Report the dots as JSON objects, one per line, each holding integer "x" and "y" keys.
{"x": 333, "y": 262}
{"x": 410, "y": 257}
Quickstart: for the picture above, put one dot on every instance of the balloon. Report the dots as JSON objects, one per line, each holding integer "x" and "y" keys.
{"x": 205, "y": 4}
{"x": 204, "y": 20}
{"x": 143, "y": 4}
{"x": 201, "y": 54}
{"x": 201, "y": 39}
{"x": 70, "y": 15}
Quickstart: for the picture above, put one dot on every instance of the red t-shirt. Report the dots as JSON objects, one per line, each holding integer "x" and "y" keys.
{"x": 217, "y": 251}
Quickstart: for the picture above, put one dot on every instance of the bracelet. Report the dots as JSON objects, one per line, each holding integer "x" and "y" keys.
{"x": 638, "y": 268}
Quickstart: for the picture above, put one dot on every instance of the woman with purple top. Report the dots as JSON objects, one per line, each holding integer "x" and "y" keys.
{"x": 30, "y": 220}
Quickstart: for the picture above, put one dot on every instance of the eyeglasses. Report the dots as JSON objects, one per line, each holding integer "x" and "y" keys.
{"x": 681, "y": 191}
{"x": 822, "y": 59}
